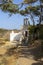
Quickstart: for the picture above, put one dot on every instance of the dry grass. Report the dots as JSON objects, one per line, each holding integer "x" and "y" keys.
{"x": 11, "y": 57}
{"x": 5, "y": 58}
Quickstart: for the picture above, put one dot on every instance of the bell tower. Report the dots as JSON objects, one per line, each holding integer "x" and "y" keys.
{"x": 26, "y": 22}
{"x": 25, "y": 31}
{"x": 25, "y": 26}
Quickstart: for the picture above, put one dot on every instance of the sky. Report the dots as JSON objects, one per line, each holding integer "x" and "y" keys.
{"x": 13, "y": 22}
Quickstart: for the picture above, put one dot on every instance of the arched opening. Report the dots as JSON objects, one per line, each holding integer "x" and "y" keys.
{"x": 26, "y": 33}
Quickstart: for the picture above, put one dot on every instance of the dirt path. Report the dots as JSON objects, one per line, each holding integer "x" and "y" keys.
{"x": 25, "y": 55}
{"x": 30, "y": 57}
{"x": 25, "y": 61}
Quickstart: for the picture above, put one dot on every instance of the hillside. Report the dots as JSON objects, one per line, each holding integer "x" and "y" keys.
{"x": 6, "y": 33}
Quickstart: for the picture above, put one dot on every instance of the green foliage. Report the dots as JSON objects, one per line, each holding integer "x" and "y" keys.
{"x": 41, "y": 32}
{"x": 9, "y": 7}
{"x": 24, "y": 12}
{"x": 33, "y": 9}
{"x": 31, "y": 29}
{"x": 5, "y": 1}
{"x": 41, "y": 0}
{"x": 29, "y": 1}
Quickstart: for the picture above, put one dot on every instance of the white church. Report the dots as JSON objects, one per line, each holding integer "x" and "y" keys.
{"x": 24, "y": 32}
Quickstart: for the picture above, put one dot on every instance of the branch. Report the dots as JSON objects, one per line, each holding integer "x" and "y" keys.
{"x": 29, "y": 1}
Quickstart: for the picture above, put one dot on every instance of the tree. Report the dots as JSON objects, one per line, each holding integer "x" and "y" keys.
{"x": 30, "y": 8}
{"x": 35, "y": 9}
{"x": 9, "y": 6}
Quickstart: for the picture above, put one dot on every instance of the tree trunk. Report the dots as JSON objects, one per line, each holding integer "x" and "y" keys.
{"x": 40, "y": 13}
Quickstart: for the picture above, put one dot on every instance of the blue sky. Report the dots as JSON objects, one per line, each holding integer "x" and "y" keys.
{"x": 13, "y": 22}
